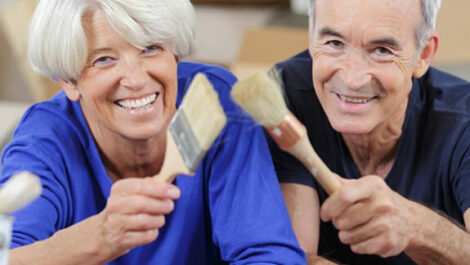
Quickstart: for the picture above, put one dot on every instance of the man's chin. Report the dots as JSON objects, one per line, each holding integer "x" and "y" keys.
{"x": 352, "y": 128}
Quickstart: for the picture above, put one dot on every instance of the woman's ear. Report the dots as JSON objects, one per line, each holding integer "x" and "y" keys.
{"x": 426, "y": 55}
{"x": 70, "y": 88}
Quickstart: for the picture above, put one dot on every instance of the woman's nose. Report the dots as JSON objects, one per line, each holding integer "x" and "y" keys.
{"x": 134, "y": 75}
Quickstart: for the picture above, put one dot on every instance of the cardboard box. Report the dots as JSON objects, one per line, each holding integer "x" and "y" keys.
{"x": 261, "y": 48}
{"x": 252, "y": 2}
{"x": 453, "y": 27}
{"x": 14, "y": 22}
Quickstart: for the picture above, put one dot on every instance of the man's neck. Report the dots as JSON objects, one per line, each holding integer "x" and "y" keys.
{"x": 374, "y": 153}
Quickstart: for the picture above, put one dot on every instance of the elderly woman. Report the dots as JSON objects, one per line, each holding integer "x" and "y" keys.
{"x": 96, "y": 144}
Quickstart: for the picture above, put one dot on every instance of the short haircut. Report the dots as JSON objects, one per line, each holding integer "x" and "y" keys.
{"x": 429, "y": 9}
{"x": 58, "y": 47}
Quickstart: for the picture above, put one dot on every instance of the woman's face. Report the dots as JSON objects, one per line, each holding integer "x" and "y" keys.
{"x": 124, "y": 91}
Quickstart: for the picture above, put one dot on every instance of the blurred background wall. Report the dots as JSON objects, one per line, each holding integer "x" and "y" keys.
{"x": 242, "y": 35}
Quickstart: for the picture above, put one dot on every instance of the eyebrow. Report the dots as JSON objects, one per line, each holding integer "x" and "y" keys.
{"x": 99, "y": 50}
{"x": 387, "y": 42}
{"x": 327, "y": 31}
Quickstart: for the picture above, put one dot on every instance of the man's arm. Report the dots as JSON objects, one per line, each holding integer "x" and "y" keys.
{"x": 373, "y": 219}
{"x": 439, "y": 241}
{"x": 303, "y": 206}
{"x": 466, "y": 218}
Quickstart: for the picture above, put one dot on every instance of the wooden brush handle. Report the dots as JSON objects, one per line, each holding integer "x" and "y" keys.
{"x": 304, "y": 151}
{"x": 173, "y": 164}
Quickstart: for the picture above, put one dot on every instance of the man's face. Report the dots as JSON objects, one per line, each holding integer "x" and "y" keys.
{"x": 364, "y": 57}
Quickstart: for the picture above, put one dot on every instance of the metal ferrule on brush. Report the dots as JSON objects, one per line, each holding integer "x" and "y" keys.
{"x": 186, "y": 141}
{"x": 288, "y": 131}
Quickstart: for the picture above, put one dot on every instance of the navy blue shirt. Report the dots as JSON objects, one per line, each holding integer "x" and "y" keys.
{"x": 230, "y": 212}
{"x": 432, "y": 165}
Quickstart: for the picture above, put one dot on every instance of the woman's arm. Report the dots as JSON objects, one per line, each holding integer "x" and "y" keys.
{"x": 134, "y": 212}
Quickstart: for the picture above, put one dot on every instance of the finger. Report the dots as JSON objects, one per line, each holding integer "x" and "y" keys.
{"x": 147, "y": 187}
{"x": 349, "y": 193}
{"x": 354, "y": 216}
{"x": 143, "y": 222}
{"x": 371, "y": 229}
{"x": 379, "y": 245}
{"x": 133, "y": 239}
{"x": 139, "y": 204}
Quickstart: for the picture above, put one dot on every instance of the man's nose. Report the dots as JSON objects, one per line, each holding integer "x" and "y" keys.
{"x": 134, "y": 75}
{"x": 356, "y": 71}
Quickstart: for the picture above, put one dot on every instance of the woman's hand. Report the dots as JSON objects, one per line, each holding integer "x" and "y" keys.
{"x": 134, "y": 213}
{"x": 132, "y": 217}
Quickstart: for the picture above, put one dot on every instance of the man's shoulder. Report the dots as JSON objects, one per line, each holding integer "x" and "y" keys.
{"x": 445, "y": 92}
{"x": 296, "y": 72}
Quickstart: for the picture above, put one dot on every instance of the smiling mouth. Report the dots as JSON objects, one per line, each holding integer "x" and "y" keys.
{"x": 355, "y": 100}
{"x": 139, "y": 104}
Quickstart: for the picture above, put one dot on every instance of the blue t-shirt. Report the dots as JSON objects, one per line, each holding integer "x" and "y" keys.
{"x": 230, "y": 212}
{"x": 432, "y": 165}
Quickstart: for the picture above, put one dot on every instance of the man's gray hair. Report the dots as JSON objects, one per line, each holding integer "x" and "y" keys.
{"x": 58, "y": 47}
{"x": 429, "y": 10}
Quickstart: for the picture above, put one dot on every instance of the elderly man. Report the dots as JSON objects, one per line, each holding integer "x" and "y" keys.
{"x": 395, "y": 130}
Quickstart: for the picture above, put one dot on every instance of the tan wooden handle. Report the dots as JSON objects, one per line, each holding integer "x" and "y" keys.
{"x": 173, "y": 164}
{"x": 304, "y": 151}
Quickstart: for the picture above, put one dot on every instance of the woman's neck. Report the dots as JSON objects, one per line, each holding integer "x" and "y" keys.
{"x": 126, "y": 158}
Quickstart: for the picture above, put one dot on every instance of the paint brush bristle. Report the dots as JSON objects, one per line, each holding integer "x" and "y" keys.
{"x": 261, "y": 97}
{"x": 203, "y": 111}
{"x": 198, "y": 121}
{"x": 18, "y": 191}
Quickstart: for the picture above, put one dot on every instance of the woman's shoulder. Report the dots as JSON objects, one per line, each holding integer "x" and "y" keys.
{"x": 55, "y": 120}
{"x": 187, "y": 70}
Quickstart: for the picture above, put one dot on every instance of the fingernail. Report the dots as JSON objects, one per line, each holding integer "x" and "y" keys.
{"x": 173, "y": 192}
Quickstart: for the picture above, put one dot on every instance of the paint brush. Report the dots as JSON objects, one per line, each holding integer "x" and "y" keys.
{"x": 261, "y": 97}
{"x": 18, "y": 191}
{"x": 192, "y": 130}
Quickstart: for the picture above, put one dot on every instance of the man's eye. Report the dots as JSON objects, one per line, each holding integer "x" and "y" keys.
{"x": 334, "y": 44}
{"x": 383, "y": 51}
{"x": 151, "y": 49}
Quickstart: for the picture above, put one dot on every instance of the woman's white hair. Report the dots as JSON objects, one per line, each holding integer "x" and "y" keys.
{"x": 429, "y": 9}
{"x": 58, "y": 47}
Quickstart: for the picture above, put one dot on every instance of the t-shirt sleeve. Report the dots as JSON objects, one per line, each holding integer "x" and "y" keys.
{"x": 31, "y": 152}
{"x": 249, "y": 217}
{"x": 288, "y": 168}
{"x": 461, "y": 179}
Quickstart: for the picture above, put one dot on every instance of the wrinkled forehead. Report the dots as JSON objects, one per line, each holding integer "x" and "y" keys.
{"x": 398, "y": 15}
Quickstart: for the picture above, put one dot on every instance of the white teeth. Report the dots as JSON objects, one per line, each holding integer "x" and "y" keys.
{"x": 355, "y": 100}
{"x": 139, "y": 104}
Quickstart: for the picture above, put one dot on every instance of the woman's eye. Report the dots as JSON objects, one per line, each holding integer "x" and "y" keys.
{"x": 103, "y": 61}
{"x": 151, "y": 49}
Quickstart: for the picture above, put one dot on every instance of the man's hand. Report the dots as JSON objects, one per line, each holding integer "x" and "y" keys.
{"x": 135, "y": 212}
{"x": 371, "y": 218}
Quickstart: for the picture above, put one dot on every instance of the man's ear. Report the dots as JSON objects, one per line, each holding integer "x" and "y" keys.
{"x": 70, "y": 88}
{"x": 426, "y": 56}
